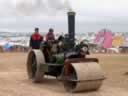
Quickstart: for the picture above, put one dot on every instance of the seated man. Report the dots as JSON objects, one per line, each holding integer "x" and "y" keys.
{"x": 49, "y": 52}
{"x": 46, "y": 50}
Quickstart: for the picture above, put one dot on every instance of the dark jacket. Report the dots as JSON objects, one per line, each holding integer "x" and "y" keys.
{"x": 35, "y": 41}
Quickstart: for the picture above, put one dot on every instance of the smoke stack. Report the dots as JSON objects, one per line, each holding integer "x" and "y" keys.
{"x": 71, "y": 27}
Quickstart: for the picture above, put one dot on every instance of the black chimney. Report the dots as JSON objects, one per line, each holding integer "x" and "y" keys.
{"x": 71, "y": 27}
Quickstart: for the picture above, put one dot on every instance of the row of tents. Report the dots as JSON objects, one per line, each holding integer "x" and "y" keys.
{"x": 105, "y": 39}
{"x": 13, "y": 46}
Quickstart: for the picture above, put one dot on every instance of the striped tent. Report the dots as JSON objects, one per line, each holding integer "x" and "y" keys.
{"x": 104, "y": 38}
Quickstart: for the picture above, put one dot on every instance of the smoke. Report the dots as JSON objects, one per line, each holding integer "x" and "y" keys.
{"x": 34, "y": 7}
{"x": 59, "y": 4}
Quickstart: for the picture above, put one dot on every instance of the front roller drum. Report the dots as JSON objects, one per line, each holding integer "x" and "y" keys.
{"x": 84, "y": 77}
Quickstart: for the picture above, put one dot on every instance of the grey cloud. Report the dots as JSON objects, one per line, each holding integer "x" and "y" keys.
{"x": 91, "y": 15}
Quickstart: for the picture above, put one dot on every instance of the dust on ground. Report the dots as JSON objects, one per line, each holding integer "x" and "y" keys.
{"x": 14, "y": 80}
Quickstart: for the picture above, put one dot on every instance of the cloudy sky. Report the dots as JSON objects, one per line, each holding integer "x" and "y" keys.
{"x": 91, "y": 15}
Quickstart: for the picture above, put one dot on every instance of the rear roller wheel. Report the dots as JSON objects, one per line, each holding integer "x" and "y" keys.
{"x": 34, "y": 65}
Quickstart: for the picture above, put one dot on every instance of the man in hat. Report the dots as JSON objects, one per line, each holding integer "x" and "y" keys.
{"x": 50, "y": 35}
{"x": 36, "y": 39}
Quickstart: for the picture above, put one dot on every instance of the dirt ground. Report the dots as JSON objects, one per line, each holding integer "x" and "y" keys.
{"x": 14, "y": 81}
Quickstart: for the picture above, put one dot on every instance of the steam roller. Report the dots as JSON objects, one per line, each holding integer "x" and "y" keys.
{"x": 67, "y": 62}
